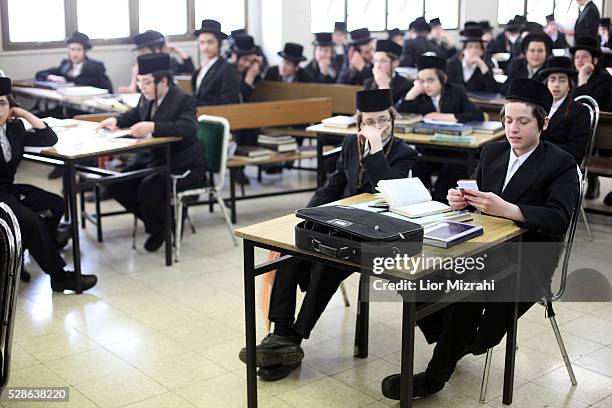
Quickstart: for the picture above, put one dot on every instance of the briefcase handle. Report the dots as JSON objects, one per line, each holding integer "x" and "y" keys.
{"x": 340, "y": 253}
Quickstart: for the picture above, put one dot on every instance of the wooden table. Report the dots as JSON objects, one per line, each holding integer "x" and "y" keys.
{"x": 471, "y": 150}
{"x": 81, "y": 142}
{"x": 278, "y": 235}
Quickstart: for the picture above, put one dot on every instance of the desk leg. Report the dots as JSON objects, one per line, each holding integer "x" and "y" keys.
{"x": 408, "y": 323}
{"x": 511, "y": 337}
{"x": 168, "y": 217}
{"x": 249, "y": 313}
{"x": 320, "y": 169}
{"x": 66, "y": 197}
{"x": 233, "y": 193}
{"x": 70, "y": 192}
{"x": 363, "y": 317}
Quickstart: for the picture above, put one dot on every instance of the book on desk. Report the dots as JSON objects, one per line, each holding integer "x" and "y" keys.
{"x": 409, "y": 197}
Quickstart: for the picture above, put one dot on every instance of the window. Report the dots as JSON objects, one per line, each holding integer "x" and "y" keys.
{"x": 46, "y": 24}
{"x": 104, "y": 19}
{"x": 565, "y": 11}
{"x": 230, "y": 13}
{"x": 381, "y": 15}
{"x": 174, "y": 21}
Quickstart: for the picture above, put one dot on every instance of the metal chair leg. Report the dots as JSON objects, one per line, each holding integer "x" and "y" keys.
{"x": 178, "y": 227}
{"x": 344, "y": 295}
{"x": 568, "y": 364}
{"x": 586, "y": 224}
{"x": 226, "y": 216}
{"x": 485, "y": 375}
{"x": 134, "y": 233}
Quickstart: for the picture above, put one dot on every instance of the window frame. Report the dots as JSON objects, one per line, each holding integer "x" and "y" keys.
{"x": 71, "y": 23}
{"x": 603, "y": 6}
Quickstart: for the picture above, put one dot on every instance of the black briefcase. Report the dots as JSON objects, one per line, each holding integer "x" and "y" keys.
{"x": 356, "y": 235}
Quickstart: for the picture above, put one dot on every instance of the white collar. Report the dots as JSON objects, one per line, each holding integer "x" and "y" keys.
{"x": 522, "y": 158}
{"x": 555, "y": 106}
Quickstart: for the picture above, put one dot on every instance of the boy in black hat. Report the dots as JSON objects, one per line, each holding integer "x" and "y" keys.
{"x": 28, "y": 202}
{"x": 487, "y": 29}
{"x": 386, "y": 59}
{"x": 372, "y": 155}
{"x": 323, "y": 68}
{"x": 440, "y": 37}
{"x": 340, "y": 39}
{"x": 471, "y": 67}
{"x": 419, "y": 45}
{"x": 557, "y": 37}
{"x": 163, "y": 110}
{"x": 508, "y": 188}
{"x": 396, "y": 35}
{"x": 504, "y": 42}
{"x": 216, "y": 82}
{"x": 359, "y": 63}
{"x": 78, "y": 68}
{"x": 536, "y": 48}
{"x": 604, "y": 32}
{"x": 289, "y": 70}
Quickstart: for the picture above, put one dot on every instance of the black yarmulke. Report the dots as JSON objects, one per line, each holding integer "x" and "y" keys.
{"x": 388, "y": 46}
{"x": 430, "y": 61}
{"x": 374, "y": 100}
{"x": 152, "y": 63}
{"x": 5, "y": 86}
{"x": 532, "y": 91}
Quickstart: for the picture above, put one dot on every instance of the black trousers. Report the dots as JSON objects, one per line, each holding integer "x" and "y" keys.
{"x": 38, "y": 213}
{"x": 448, "y": 174}
{"x": 145, "y": 196}
{"x": 320, "y": 282}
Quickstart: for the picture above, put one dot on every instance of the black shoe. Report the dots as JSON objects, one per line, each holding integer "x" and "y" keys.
{"x": 276, "y": 373}
{"x": 276, "y": 350}
{"x": 421, "y": 386}
{"x": 592, "y": 189}
{"x": 56, "y": 173}
{"x": 69, "y": 282}
{"x": 154, "y": 241}
{"x": 608, "y": 199}
{"x": 25, "y": 276}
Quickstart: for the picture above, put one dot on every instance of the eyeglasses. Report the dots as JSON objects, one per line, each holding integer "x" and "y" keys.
{"x": 379, "y": 122}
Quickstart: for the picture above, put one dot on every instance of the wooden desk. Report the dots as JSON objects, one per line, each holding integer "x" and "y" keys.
{"x": 79, "y": 142}
{"x": 278, "y": 235}
{"x": 90, "y": 105}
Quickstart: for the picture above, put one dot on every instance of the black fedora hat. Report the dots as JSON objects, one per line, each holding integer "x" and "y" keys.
{"x": 605, "y": 22}
{"x": 79, "y": 38}
{"x": 340, "y": 26}
{"x": 470, "y": 24}
{"x": 530, "y": 90}
{"x": 153, "y": 63}
{"x": 5, "y": 86}
{"x": 520, "y": 19}
{"x": 421, "y": 25}
{"x": 373, "y": 100}
{"x": 485, "y": 25}
{"x": 292, "y": 52}
{"x": 562, "y": 65}
{"x": 394, "y": 32}
{"x": 360, "y": 36}
{"x": 430, "y": 61}
{"x": 513, "y": 26}
{"x": 149, "y": 39}
{"x": 472, "y": 34}
{"x": 550, "y": 17}
{"x": 537, "y": 37}
{"x": 323, "y": 40}
{"x": 588, "y": 44}
{"x": 434, "y": 22}
{"x": 243, "y": 44}
{"x": 239, "y": 31}
{"x": 211, "y": 26}
{"x": 532, "y": 27}
{"x": 388, "y": 46}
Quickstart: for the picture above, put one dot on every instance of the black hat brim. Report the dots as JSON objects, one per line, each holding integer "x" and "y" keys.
{"x": 595, "y": 52}
{"x": 149, "y": 45}
{"x": 244, "y": 51}
{"x": 323, "y": 43}
{"x": 361, "y": 41}
{"x": 472, "y": 39}
{"x": 292, "y": 58}
{"x": 545, "y": 72}
{"x": 83, "y": 43}
{"x": 219, "y": 34}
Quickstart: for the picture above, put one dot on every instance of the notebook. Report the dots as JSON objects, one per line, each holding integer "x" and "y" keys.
{"x": 409, "y": 197}
{"x": 340, "y": 121}
{"x": 450, "y": 233}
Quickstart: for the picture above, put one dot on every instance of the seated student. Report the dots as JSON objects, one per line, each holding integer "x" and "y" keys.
{"x": 435, "y": 98}
{"x": 28, "y": 202}
{"x": 78, "y": 67}
{"x": 340, "y": 39}
{"x": 440, "y": 37}
{"x": 604, "y": 32}
{"x": 216, "y": 82}
{"x": 543, "y": 205}
{"x": 323, "y": 68}
{"x": 163, "y": 110}
{"x": 568, "y": 121}
{"x": 289, "y": 70}
{"x": 419, "y": 45}
{"x": 386, "y": 59}
{"x": 552, "y": 29}
{"x": 504, "y": 42}
{"x": 487, "y": 29}
{"x": 396, "y": 35}
{"x": 471, "y": 68}
{"x": 373, "y": 155}
{"x": 358, "y": 66}
{"x": 536, "y": 48}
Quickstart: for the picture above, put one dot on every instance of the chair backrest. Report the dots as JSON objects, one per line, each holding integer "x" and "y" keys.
{"x": 593, "y": 107}
{"x": 10, "y": 270}
{"x": 214, "y": 135}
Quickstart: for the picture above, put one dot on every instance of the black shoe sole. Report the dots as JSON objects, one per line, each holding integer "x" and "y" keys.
{"x": 276, "y": 373}
{"x": 267, "y": 359}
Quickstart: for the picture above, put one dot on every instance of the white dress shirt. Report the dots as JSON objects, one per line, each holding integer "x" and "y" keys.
{"x": 514, "y": 163}
{"x": 6, "y": 145}
{"x": 203, "y": 70}
{"x": 76, "y": 70}
{"x": 436, "y": 102}
{"x": 555, "y": 106}
{"x": 468, "y": 70}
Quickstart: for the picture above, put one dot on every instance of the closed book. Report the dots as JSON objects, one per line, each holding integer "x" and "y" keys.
{"x": 450, "y": 233}
{"x": 281, "y": 148}
{"x": 446, "y": 129}
{"x": 489, "y": 127}
{"x": 275, "y": 139}
{"x": 252, "y": 151}
{"x": 340, "y": 121}
{"x": 452, "y": 138}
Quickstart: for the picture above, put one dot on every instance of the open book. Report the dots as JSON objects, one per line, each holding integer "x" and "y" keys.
{"x": 409, "y": 197}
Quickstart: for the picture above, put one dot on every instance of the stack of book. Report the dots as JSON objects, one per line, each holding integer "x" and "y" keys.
{"x": 279, "y": 144}
{"x": 488, "y": 127}
{"x": 455, "y": 129}
{"x": 252, "y": 153}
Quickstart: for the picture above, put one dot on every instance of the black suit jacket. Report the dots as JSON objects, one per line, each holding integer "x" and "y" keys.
{"x": 312, "y": 69}
{"x": 561, "y": 41}
{"x": 220, "y": 85}
{"x": 414, "y": 48}
{"x": 588, "y": 22}
{"x": 517, "y": 69}
{"x": 185, "y": 67}
{"x": 599, "y": 87}
{"x": 19, "y": 138}
{"x": 399, "y": 86}
{"x": 454, "y": 99}
{"x": 569, "y": 128}
{"x": 272, "y": 74}
{"x": 345, "y": 180}
{"x": 477, "y": 82}
{"x": 175, "y": 116}
{"x": 499, "y": 44}
{"x": 92, "y": 74}
{"x": 351, "y": 76}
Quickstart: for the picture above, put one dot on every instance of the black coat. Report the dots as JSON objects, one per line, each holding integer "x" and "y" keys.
{"x": 569, "y": 130}
{"x": 175, "y": 116}
{"x": 517, "y": 69}
{"x": 220, "y": 85}
{"x": 477, "y": 82}
{"x": 344, "y": 181}
{"x": 246, "y": 90}
{"x": 317, "y": 76}
{"x": 350, "y": 76}
{"x": 185, "y": 67}
{"x": 272, "y": 74}
{"x": 499, "y": 44}
{"x": 399, "y": 86}
{"x": 454, "y": 99}
{"x": 19, "y": 138}
{"x": 588, "y": 22}
{"x": 599, "y": 87}
{"x": 561, "y": 41}
{"x": 92, "y": 74}
{"x": 416, "y": 47}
